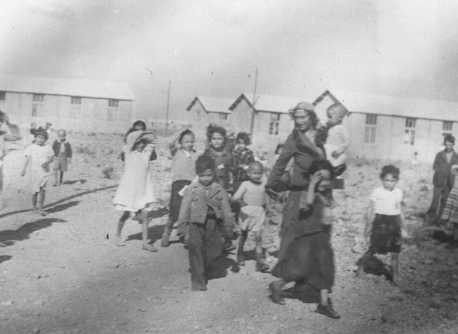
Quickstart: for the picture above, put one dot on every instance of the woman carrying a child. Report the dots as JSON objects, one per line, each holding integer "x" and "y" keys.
{"x": 305, "y": 254}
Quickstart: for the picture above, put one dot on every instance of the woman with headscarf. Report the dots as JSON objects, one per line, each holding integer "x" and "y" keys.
{"x": 305, "y": 254}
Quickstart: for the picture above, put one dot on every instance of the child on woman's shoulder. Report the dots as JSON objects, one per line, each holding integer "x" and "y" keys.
{"x": 253, "y": 198}
{"x": 384, "y": 221}
{"x": 205, "y": 218}
{"x": 337, "y": 141}
{"x": 183, "y": 173}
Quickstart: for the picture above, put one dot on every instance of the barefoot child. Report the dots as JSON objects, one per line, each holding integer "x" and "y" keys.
{"x": 38, "y": 157}
{"x": 253, "y": 200}
{"x": 182, "y": 174}
{"x": 62, "y": 156}
{"x": 206, "y": 214}
{"x": 135, "y": 194}
{"x": 385, "y": 228}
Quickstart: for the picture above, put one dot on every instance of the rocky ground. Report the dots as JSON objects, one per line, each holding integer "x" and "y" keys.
{"x": 60, "y": 274}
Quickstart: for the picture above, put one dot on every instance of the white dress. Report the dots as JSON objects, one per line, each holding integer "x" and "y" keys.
{"x": 38, "y": 155}
{"x": 136, "y": 190}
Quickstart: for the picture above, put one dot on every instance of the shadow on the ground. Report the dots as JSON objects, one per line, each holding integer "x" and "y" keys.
{"x": 81, "y": 181}
{"x": 62, "y": 207}
{"x": 6, "y": 214}
{"x": 219, "y": 267}
{"x": 9, "y": 237}
{"x": 4, "y": 258}
{"x": 154, "y": 233}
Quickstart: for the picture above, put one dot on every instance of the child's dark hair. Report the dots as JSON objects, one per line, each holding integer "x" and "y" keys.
{"x": 203, "y": 163}
{"x": 185, "y": 133}
{"x": 389, "y": 169}
{"x": 132, "y": 128}
{"x": 449, "y": 138}
{"x": 213, "y": 128}
{"x": 142, "y": 141}
{"x": 256, "y": 165}
{"x": 321, "y": 164}
{"x": 243, "y": 136}
{"x": 279, "y": 148}
{"x": 41, "y": 132}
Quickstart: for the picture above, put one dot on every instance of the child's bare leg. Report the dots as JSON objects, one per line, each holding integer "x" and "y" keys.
{"x": 166, "y": 234}
{"x": 56, "y": 177}
{"x": 395, "y": 267}
{"x": 242, "y": 240}
{"x": 34, "y": 200}
{"x": 41, "y": 201}
{"x": 260, "y": 263}
{"x": 145, "y": 222}
{"x": 122, "y": 220}
{"x": 61, "y": 177}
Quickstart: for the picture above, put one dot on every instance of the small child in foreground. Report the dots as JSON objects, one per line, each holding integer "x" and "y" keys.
{"x": 253, "y": 200}
{"x": 384, "y": 230}
{"x": 62, "y": 156}
{"x": 38, "y": 158}
{"x": 206, "y": 216}
{"x": 243, "y": 157}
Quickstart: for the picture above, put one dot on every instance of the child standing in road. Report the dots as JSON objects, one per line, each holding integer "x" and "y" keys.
{"x": 243, "y": 157}
{"x": 135, "y": 194}
{"x": 182, "y": 174}
{"x": 62, "y": 156}
{"x": 38, "y": 157}
{"x": 205, "y": 214}
{"x": 384, "y": 229}
{"x": 253, "y": 200}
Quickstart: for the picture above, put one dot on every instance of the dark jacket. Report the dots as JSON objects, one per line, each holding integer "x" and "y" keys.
{"x": 197, "y": 199}
{"x": 442, "y": 169}
{"x": 242, "y": 159}
{"x": 67, "y": 151}
{"x": 224, "y": 167}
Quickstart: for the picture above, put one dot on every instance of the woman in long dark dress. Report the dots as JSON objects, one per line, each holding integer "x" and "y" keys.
{"x": 305, "y": 251}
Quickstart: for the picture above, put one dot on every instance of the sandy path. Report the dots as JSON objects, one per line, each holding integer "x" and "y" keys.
{"x": 59, "y": 274}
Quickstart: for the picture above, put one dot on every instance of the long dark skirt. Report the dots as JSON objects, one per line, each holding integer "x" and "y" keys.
{"x": 308, "y": 258}
{"x": 175, "y": 199}
{"x": 386, "y": 234}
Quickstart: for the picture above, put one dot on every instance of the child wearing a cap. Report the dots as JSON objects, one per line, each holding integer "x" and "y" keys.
{"x": 135, "y": 193}
{"x": 63, "y": 156}
{"x": 38, "y": 158}
{"x": 449, "y": 217}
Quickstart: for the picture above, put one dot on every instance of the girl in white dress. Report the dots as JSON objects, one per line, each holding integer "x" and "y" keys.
{"x": 38, "y": 159}
{"x": 135, "y": 194}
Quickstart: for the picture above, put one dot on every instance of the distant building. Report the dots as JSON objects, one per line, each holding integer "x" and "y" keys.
{"x": 73, "y": 104}
{"x": 267, "y": 115}
{"x": 205, "y": 110}
{"x": 387, "y": 127}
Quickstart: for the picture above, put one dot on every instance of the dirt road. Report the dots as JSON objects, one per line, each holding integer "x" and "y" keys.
{"x": 59, "y": 274}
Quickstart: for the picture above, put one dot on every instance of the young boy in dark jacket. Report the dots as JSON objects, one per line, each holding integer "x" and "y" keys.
{"x": 63, "y": 156}
{"x": 206, "y": 216}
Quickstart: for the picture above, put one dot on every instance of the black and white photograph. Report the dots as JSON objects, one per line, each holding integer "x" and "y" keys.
{"x": 246, "y": 167}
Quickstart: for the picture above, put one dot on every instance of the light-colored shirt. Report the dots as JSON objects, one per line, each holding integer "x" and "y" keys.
{"x": 387, "y": 202}
{"x": 338, "y": 137}
{"x": 251, "y": 193}
{"x": 183, "y": 165}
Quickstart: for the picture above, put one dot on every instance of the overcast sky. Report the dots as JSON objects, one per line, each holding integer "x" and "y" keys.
{"x": 211, "y": 47}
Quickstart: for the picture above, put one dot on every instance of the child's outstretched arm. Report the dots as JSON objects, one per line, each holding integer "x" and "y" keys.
{"x": 185, "y": 213}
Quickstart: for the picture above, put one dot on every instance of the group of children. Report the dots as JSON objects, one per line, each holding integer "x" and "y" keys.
{"x": 220, "y": 195}
{"x": 41, "y": 160}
